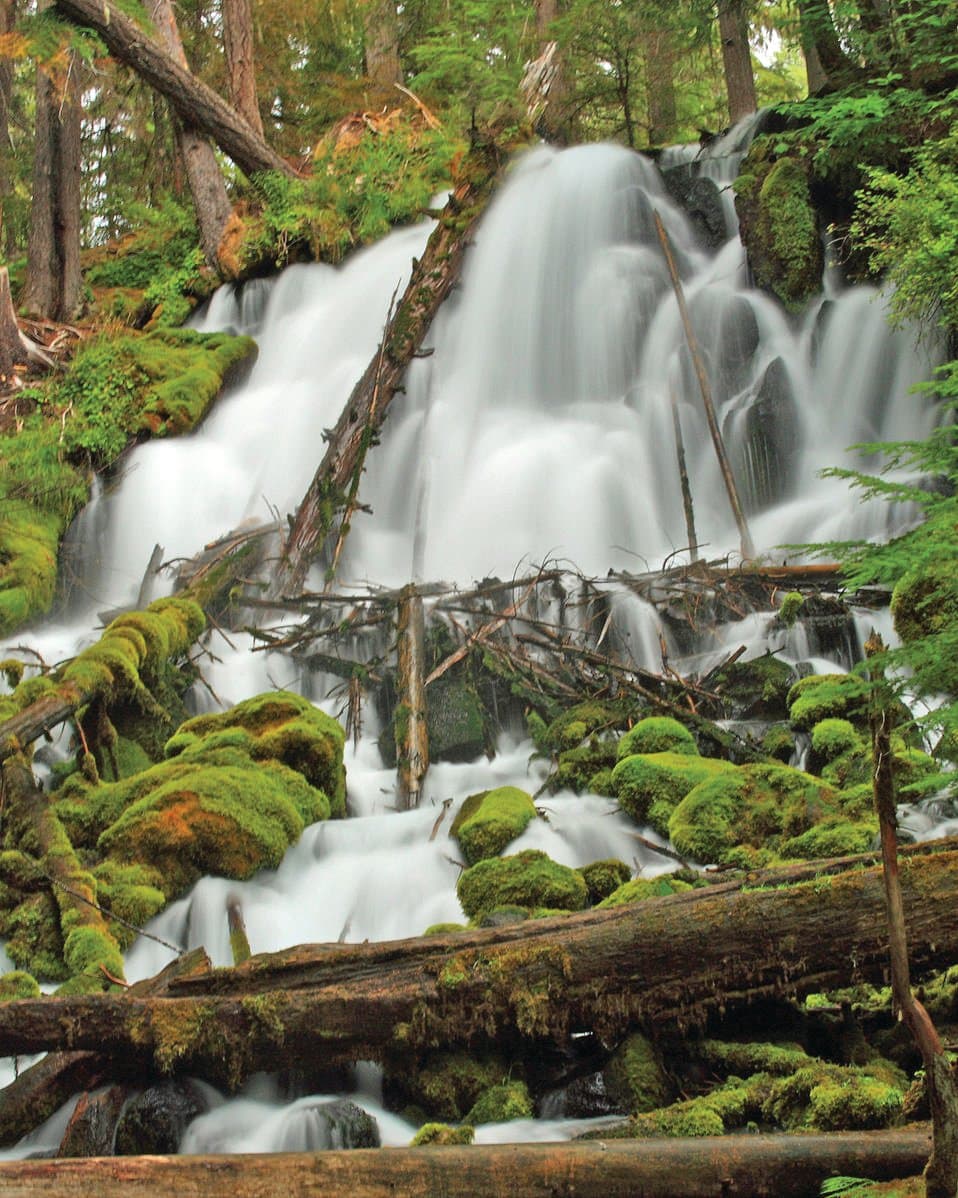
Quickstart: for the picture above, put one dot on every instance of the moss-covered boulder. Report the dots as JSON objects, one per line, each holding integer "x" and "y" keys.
{"x": 594, "y": 718}
{"x": 639, "y": 889}
{"x": 755, "y": 805}
{"x": 17, "y": 983}
{"x": 755, "y": 689}
{"x": 924, "y": 604}
{"x": 604, "y": 877}
{"x": 585, "y": 767}
{"x": 827, "y": 696}
{"x": 499, "y": 1104}
{"x": 779, "y": 225}
{"x": 529, "y": 879}
{"x": 488, "y": 821}
{"x": 649, "y": 786}
{"x": 827, "y": 1097}
{"x": 445, "y": 1085}
{"x": 635, "y": 1079}
{"x": 657, "y": 734}
{"x": 443, "y": 1133}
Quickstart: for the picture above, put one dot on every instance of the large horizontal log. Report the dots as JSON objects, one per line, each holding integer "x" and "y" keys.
{"x": 787, "y": 1166}
{"x": 198, "y": 105}
{"x": 668, "y": 962}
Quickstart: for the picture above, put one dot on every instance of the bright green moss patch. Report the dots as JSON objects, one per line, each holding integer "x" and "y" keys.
{"x": 833, "y": 837}
{"x": 603, "y": 877}
{"x": 488, "y": 821}
{"x": 644, "y": 888}
{"x": 832, "y": 737}
{"x": 756, "y": 805}
{"x": 649, "y": 786}
{"x": 593, "y": 718}
{"x": 34, "y": 939}
{"x": 499, "y": 1104}
{"x": 447, "y": 1084}
{"x": 657, "y": 734}
{"x": 29, "y": 538}
{"x": 18, "y": 984}
{"x": 278, "y": 726}
{"x": 634, "y": 1077}
{"x": 443, "y": 1133}
{"x": 580, "y": 769}
{"x": 826, "y": 696}
{"x": 528, "y": 879}
{"x": 132, "y": 894}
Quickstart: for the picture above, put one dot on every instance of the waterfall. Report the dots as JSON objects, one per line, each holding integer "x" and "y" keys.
{"x": 536, "y": 428}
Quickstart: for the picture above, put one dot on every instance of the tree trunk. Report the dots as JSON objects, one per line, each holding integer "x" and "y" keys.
{"x": 7, "y": 17}
{"x": 787, "y": 1166}
{"x": 819, "y": 36}
{"x": 197, "y": 105}
{"x": 660, "y": 964}
{"x": 11, "y": 347}
{"x": 412, "y": 736}
{"x": 53, "y": 283}
{"x": 431, "y": 281}
{"x": 240, "y": 60}
{"x": 550, "y": 114}
{"x": 736, "y": 59}
{"x": 381, "y": 37}
{"x": 660, "y": 87}
{"x": 206, "y": 182}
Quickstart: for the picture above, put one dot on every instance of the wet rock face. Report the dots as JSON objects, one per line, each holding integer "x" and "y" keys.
{"x": 772, "y": 439}
{"x": 154, "y": 1121}
{"x": 325, "y": 1125}
{"x": 702, "y": 203}
{"x": 584, "y": 1098}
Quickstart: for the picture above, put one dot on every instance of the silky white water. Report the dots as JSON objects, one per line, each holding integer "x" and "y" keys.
{"x": 537, "y": 429}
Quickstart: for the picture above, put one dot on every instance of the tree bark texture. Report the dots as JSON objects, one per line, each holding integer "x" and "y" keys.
{"x": 660, "y": 87}
{"x": 381, "y": 37}
{"x": 665, "y": 963}
{"x": 11, "y": 346}
{"x": 787, "y": 1166}
{"x": 355, "y": 431}
{"x": 820, "y": 37}
{"x": 7, "y": 17}
{"x": 205, "y": 179}
{"x": 53, "y": 284}
{"x": 241, "y": 60}
{"x": 197, "y": 105}
{"x": 736, "y": 59}
{"x": 412, "y": 736}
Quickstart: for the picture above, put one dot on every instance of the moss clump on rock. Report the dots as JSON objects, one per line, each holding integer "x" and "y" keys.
{"x": 634, "y": 1077}
{"x": 640, "y": 889}
{"x": 756, "y": 805}
{"x": 826, "y": 696}
{"x": 593, "y": 718}
{"x": 499, "y": 1104}
{"x": 579, "y": 768}
{"x": 649, "y": 786}
{"x": 832, "y": 737}
{"x": 603, "y": 877}
{"x": 657, "y": 734}
{"x": 34, "y": 938}
{"x": 447, "y": 1084}
{"x": 130, "y": 895}
{"x": 826, "y": 1097}
{"x": 443, "y": 1133}
{"x": 755, "y": 689}
{"x": 488, "y": 821}
{"x": 17, "y": 983}
{"x": 529, "y": 879}
{"x": 833, "y": 837}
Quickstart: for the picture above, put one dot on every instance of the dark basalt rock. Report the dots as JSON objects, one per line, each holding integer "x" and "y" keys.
{"x": 153, "y": 1122}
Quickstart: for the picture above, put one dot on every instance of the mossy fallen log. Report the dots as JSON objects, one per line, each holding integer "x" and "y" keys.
{"x": 334, "y": 485}
{"x": 787, "y": 1166}
{"x": 663, "y": 963}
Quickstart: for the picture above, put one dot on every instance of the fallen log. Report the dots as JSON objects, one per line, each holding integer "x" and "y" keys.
{"x": 667, "y": 963}
{"x": 43, "y": 1088}
{"x": 355, "y": 431}
{"x": 197, "y": 105}
{"x": 756, "y": 1165}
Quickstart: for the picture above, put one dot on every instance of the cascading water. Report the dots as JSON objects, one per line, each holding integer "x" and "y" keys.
{"x": 538, "y": 427}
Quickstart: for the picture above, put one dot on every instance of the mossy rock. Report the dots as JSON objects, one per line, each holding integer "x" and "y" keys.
{"x": 744, "y": 1058}
{"x": 723, "y": 1109}
{"x": 445, "y": 1085}
{"x": 779, "y": 226}
{"x": 635, "y": 1079}
{"x": 455, "y": 720}
{"x": 529, "y": 879}
{"x": 925, "y": 604}
{"x": 649, "y": 786}
{"x": 657, "y": 734}
{"x": 440, "y": 929}
{"x": 779, "y": 743}
{"x": 604, "y": 877}
{"x": 827, "y": 696}
{"x": 833, "y": 837}
{"x": 501, "y": 1103}
{"x": 488, "y": 821}
{"x": 640, "y": 889}
{"x": 756, "y": 805}
{"x": 34, "y": 939}
{"x": 276, "y": 726}
{"x": 826, "y": 1097}
{"x": 755, "y": 689}
{"x": 131, "y": 895}
{"x": 832, "y": 737}
{"x": 577, "y": 768}
{"x": 443, "y": 1133}
{"x": 17, "y": 983}
{"x": 593, "y": 718}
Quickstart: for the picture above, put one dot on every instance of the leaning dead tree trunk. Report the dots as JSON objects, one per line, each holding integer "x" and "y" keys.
{"x": 787, "y": 1166}
{"x": 412, "y": 736}
{"x": 941, "y": 1174}
{"x": 663, "y": 963}
{"x": 197, "y": 105}
{"x": 355, "y": 431}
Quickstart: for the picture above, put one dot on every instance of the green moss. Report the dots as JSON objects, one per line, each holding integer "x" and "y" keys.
{"x": 755, "y": 689}
{"x": 603, "y": 877}
{"x": 447, "y": 1084}
{"x": 833, "y": 837}
{"x": 87, "y": 950}
{"x": 593, "y": 718}
{"x": 488, "y": 821}
{"x": 131, "y": 893}
{"x": 18, "y": 984}
{"x": 499, "y": 1104}
{"x": 21, "y": 871}
{"x": 640, "y": 889}
{"x": 442, "y": 1133}
{"x": 634, "y": 1077}
{"x": 744, "y": 1058}
{"x": 779, "y": 743}
{"x": 35, "y": 942}
{"x": 826, "y": 696}
{"x": 657, "y": 734}
{"x": 832, "y": 737}
{"x": 650, "y": 786}
{"x": 578, "y": 767}
{"x": 790, "y": 607}
{"x": 528, "y": 879}
{"x": 440, "y": 929}
{"x": 757, "y": 805}
{"x": 827, "y": 1097}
